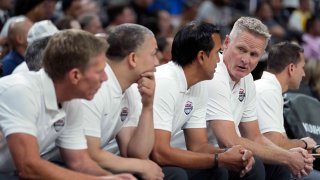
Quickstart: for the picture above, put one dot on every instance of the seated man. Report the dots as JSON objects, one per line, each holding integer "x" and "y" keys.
{"x": 231, "y": 112}
{"x": 116, "y": 112}
{"x": 284, "y": 71}
{"x": 180, "y": 103}
{"x": 73, "y": 68}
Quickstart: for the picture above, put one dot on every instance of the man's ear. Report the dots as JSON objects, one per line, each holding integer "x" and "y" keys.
{"x": 226, "y": 42}
{"x": 132, "y": 59}
{"x": 200, "y": 57}
{"x": 74, "y": 75}
{"x": 291, "y": 67}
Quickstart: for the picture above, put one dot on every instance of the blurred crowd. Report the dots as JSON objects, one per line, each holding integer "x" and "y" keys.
{"x": 293, "y": 20}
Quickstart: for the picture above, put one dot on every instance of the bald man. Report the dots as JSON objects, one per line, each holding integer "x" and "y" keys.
{"x": 17, "y": 38}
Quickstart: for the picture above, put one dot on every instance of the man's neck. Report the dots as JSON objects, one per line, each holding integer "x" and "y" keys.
{"x": 283, "y": 82}
{"x": 125, "y": 79}
{"x": 192, "y": 75}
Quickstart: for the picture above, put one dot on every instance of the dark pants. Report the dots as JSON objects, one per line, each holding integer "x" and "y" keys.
{"x": 177, "y": 173}
{"x": 257, "y": 172}
{"x": 174, "y": 173}
{"x": 208, "y": 174}
{"x": 262, "y": 171}
{"x": 277, "y": 172}
{"x": 8, "y": 177}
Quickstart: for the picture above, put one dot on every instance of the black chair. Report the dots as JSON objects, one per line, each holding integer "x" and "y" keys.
{"x": 302, "y": 118}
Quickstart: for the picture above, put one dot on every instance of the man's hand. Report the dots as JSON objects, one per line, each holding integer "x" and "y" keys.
{"x": 308, "y": 159}
{"x": 310, "y": 142}
{"x": 237, "y": 159}
{"x": 298, "y": 162}
{"x": 146, "y": 86}
{"x": 150, "y": 170}
{"x": 248, "y": 162}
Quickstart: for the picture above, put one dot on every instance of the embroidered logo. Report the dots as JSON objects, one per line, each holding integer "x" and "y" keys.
{"x": 124, "y": 113}
{"x": 188, "y": 107}
{"x": 242, "y": 95}
{"x": 58, "y": 125}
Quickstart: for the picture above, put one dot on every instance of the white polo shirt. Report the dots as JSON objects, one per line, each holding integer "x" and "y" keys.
{"x": 175, "y": 106}
{"x": 269, "y": 103}
{"x": 110, "y": 110}
{"x": 229, "y": 100}
{"x": 29, "y": 105}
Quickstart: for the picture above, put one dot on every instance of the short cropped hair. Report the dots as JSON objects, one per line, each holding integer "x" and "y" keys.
{"x": 124, "y": 39}
{"x": 70, "y": 49}
{"x": 281, "y": 55}
{"x": 34, "y": 53}
{"x": 251, "y": 25}
{"x": 191, "y": 39}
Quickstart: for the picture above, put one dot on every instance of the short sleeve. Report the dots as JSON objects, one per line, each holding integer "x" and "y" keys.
{"x": 19, "y": 110}
{"x": 73, "y": 135}
{"x": 135, "y": 106}
{"x": 270, "y": 108}
{"x": 197, "y": 119}
{"x": 164, "y": 101}
{"x": 93, "y": 113}
{"x": 250, "y": 110}
{"x": 219, "y": 97}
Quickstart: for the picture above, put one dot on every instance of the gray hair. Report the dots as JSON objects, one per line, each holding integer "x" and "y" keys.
{"x": 251, "y": 25}
{"x": 126, "y": 38}
{"x": 34, "y": 53}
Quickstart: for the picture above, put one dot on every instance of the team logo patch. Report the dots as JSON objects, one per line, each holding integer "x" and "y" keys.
{"x": 188, "y": 107}
{"x": 242, "y": 95}
{"x": 124, "y": 113}
{"x": 58, "y": 125}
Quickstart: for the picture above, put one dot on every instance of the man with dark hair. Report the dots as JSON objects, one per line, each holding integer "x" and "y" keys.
{"x": 180, "y": 104}
{"x": 117, "y": 112}
{"x": 74, "y": 64}
{"x": 284, "y": 71}
{"x": 90, "y": 22}
{"x": 71, "y": 8}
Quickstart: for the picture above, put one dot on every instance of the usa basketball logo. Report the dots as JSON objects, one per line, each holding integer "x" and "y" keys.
{"x": 188, "y": 107}
{"x": 242, "y": 95}
{"x": 58, "y": 125}
{"x": 124, "y": 113}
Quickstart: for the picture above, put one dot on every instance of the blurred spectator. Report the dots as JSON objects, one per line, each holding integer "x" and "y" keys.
{"x": 312, "y": 78}
{"x": 119, "y": 14}
{"x": 5, "y": 8}
{"x": 311, "y": 38}
{"x": 35, "y": 10}
{"x": 90, "y": 6}
{"x": 72, "y": 8}
{"x": 217, "y": 12}
{"x": 164, "y": 49}
{"x": 140, "y": 7}
{"x": 67, "y": 23}
{"x": 280, "y": 14}
{"x": 17, "y": 37}
{"x": 265, "y": 14}
{"x": 188, "y": 14}
{"x": 298, "y": 18}
{"x": 90, "y": 22}
{"x": 38, "y": 37}
{"x": 164, "y": 23}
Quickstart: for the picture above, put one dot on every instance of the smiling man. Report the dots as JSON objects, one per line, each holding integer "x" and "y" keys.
{"x": 231, "y": 112}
